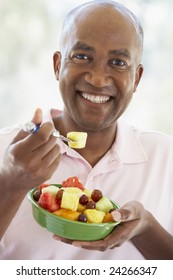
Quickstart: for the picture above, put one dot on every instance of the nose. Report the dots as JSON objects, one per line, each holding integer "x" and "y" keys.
{"x": 98, "y": 77}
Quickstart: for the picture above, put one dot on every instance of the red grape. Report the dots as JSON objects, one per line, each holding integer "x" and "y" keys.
{"x": 59, "y": 194}
{"x": 36, "y": 195}
{"x": 91, "y": 205}
{"x": 83, "y": 199}
{"x": 82, "y": 218}
{"x": 96, "y": 195}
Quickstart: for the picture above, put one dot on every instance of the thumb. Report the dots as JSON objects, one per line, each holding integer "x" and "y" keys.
{"x": 130, "y": 211}
{"x": 37, "y": 119}
{"x": 38, "y": 116}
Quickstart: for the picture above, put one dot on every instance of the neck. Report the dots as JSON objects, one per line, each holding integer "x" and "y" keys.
{"x": 98, "y": 142}
{"x": 97, "y": 146}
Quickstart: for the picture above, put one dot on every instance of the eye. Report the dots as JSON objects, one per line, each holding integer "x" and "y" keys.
{"x": 118, "y": 62}
{"x": 80, "y": 57}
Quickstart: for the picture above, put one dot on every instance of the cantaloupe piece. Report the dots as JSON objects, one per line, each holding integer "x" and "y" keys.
{"x": 67, "y": 214}
{"x": 107, "y": 218}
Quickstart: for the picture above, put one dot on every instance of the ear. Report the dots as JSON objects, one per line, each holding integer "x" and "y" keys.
{"x": 57, "y": 64}
{"x": 139, "y": 72}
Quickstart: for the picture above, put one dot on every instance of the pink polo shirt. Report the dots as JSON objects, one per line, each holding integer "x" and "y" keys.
{"x": 137, "y": 167}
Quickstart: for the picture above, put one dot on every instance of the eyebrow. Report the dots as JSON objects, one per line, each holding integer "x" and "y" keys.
{"x": 83, "y": 46}
{"x": 121, "y": 52}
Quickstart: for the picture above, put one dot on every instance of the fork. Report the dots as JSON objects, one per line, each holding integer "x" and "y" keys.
{"x": 32, "y": 128}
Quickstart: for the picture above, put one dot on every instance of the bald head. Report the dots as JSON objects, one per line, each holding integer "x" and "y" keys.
{"x": 106, "y": 9}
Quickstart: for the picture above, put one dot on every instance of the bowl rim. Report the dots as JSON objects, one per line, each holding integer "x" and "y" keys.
{"x": 54, "y": 216}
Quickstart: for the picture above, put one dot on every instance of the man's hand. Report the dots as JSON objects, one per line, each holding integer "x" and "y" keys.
{"x": 137, "y": 225}
{"x": 32, "y": 158}
{"x": 131, "y": 216}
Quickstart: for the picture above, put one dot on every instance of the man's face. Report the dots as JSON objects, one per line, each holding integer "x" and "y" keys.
{"x": 99, "y": 71}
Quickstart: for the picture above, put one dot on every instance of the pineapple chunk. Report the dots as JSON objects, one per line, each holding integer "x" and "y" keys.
{"x": 81, "y": 208}
{"x": 78, "y": 139}
{"x": 73, "y": 190}
{"x": 87, "y": 192}
{"x": 104, "y": 204}
{"x": 50, "y": 189}
{"x": 69, "y": 201}
{"x": 94, "y": 216}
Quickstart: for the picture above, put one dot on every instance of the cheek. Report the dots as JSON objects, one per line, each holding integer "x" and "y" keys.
{"x": 67, "y": 75}
{"x": 64, "y": 80}
{"x": 128, "y": 82}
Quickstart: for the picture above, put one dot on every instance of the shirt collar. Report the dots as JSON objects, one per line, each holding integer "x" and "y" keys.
{"x": 127, "y": 145}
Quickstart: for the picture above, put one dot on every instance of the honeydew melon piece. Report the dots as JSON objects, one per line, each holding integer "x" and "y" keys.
{"x": 88, "y": 192}
{"x": 50, "y": 189}
{"x": 104, "y": 204}
{"x": 78, "y": 139}
{"x": 94, "y": 216}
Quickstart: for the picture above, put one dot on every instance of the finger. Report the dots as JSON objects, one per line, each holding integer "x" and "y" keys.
{"x": 34, "y": 141}
{"x": 43, "y": 150}
{"x": 52, "y": 156}
{"x": 20, "y": 136}
{"x": 130, "y": 211}
{"x": 44, "y": 156}
{"x": 62, "y": 239}
{"x": 54, "y": 165}
{"x": 121, "y": 233}
{"x": 37, "y": 119}
{"x": 99, "y": 245}
{"x": 89, "y": 245}
{"x": 25, "y": 150}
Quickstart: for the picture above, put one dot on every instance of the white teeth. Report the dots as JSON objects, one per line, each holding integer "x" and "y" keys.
{"x": 96, "y": 98}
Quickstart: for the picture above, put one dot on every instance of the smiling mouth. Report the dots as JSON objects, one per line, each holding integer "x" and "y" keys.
{"x": 98, "y": 99}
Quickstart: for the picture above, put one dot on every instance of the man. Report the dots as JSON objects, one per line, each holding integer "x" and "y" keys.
{"x": 98, "y": 69}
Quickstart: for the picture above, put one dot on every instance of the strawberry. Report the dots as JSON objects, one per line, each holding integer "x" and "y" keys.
{"x": 48, "y": 201}
{"x": 73, "y": 182}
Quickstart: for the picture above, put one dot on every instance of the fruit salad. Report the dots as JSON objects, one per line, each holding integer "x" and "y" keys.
{"x": 72, "y": 201}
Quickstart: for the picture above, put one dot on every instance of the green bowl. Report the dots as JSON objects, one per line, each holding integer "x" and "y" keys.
{"x": 66, "y": 228}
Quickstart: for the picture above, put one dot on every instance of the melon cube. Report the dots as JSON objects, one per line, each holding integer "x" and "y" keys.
{"x": 69, "y": 201}
{"x": 87, "y": 192}
{"x": 81, "y": 208}
{"x": 78, "y": 139}
{"x": 104, "y": 204}
{"x": 107, "y": 218}
{"x": 50, "y": 189}
{"x": 94, "y": 216}
{"x": 67, "y": 214}
{"x": 73, "y": 190}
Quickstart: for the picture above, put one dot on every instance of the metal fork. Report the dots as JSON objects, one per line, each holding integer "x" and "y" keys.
{"x": 32, "y": 128}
